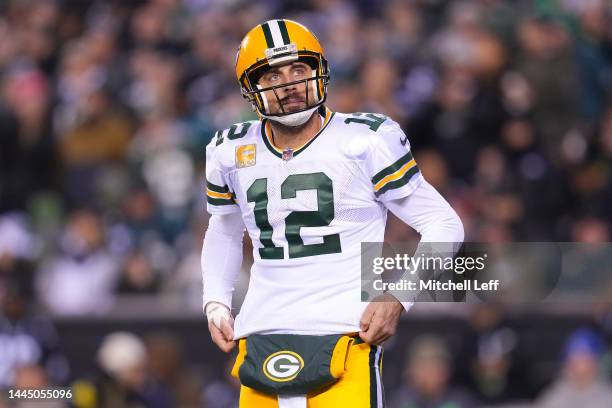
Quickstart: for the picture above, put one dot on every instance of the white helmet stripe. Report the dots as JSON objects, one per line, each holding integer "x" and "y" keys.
{"x": 277, "y": 37}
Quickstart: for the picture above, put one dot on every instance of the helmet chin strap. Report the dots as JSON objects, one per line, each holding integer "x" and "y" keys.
{"x": 293, "y": 119}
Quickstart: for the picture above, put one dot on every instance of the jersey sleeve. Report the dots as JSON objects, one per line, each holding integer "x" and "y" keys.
{"x": 220, "y": 197}
{"x": 392, "y": 169}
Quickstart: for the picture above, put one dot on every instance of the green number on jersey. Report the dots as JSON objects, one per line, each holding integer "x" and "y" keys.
{"x": 258, "y": 193}
{"x": 324, "y": 215}
{"x": 219, "y": 136}
{"x": 231, "y": 132}
{"x": 320, "y": 218}
{"x": 369, "y": 119}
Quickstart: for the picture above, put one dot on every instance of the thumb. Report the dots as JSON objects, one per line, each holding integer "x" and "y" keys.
{"x": 364, "y": 336}
{"x": 227, "y": 330}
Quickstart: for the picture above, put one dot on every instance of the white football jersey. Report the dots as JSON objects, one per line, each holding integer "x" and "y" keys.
{"x": 307, "y": 212}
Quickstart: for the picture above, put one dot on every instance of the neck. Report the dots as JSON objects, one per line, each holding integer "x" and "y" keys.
{"x": 292, "y": 137}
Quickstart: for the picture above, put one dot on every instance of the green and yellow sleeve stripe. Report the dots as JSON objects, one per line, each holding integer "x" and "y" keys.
{"x": 219, "y": 195}
{"x": 396, "y": 175}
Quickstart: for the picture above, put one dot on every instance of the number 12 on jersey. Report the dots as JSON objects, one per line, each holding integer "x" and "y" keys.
{"x": 323, "y": 216}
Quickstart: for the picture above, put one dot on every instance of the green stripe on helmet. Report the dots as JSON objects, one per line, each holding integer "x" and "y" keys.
{"x": 284, "y": 33}
{"x": 268, "y": 34}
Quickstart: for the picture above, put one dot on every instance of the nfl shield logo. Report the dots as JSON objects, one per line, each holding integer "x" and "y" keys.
{"x": 287, "y": 154}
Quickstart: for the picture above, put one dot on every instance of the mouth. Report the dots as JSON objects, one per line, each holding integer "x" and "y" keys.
{"x": 293, "y": 103}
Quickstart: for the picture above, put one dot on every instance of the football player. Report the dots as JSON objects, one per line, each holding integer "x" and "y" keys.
{"x": 309, "y": 185}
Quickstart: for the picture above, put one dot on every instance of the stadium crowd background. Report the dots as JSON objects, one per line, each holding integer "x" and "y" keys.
{"x": 105, "y": 110}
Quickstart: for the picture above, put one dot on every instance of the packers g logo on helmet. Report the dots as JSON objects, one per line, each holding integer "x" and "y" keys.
{"x": 283, "y": 366}
{"x": 278, "y": 42}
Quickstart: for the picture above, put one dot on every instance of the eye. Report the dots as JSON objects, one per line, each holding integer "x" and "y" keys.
{"x": 299, "y": 71}
{"x": 272, "y": 77}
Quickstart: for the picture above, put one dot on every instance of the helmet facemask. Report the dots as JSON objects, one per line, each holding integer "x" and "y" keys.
{"x": 315, "y": 85}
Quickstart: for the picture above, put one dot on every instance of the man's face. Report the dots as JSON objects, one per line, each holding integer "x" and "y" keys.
{"x": 292, "y": 97}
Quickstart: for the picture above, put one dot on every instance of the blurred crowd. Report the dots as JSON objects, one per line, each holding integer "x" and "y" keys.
{"x": 496, "y": 376}
{"x": 106, "y": 107}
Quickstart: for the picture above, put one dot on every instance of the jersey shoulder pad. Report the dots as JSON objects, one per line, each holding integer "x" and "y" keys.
{"x": 364, "y": 121}
{"x": 222, "y": 145}
{"x": 359, "y": 133}
{"x": 373, "y": 128}
{"x": 236, "y": 133}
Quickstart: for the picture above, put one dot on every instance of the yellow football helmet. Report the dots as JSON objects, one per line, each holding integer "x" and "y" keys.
{"x": 278, "y": 42}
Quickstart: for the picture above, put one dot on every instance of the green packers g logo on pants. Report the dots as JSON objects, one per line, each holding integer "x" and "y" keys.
{"x": 283, "y": 366}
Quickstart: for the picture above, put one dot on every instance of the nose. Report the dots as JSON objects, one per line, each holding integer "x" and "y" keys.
{"x": 286, "y": 91}
{"x": 290, "y": 87}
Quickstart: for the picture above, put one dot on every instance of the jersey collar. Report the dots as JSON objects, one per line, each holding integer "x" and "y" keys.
{"x": 265, "y": 134}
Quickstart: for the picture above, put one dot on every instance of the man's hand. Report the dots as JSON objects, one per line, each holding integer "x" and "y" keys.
{"x": 379, "y": 320}
{"x": 221, "y": 326}
{"x": 223, "y": 338}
